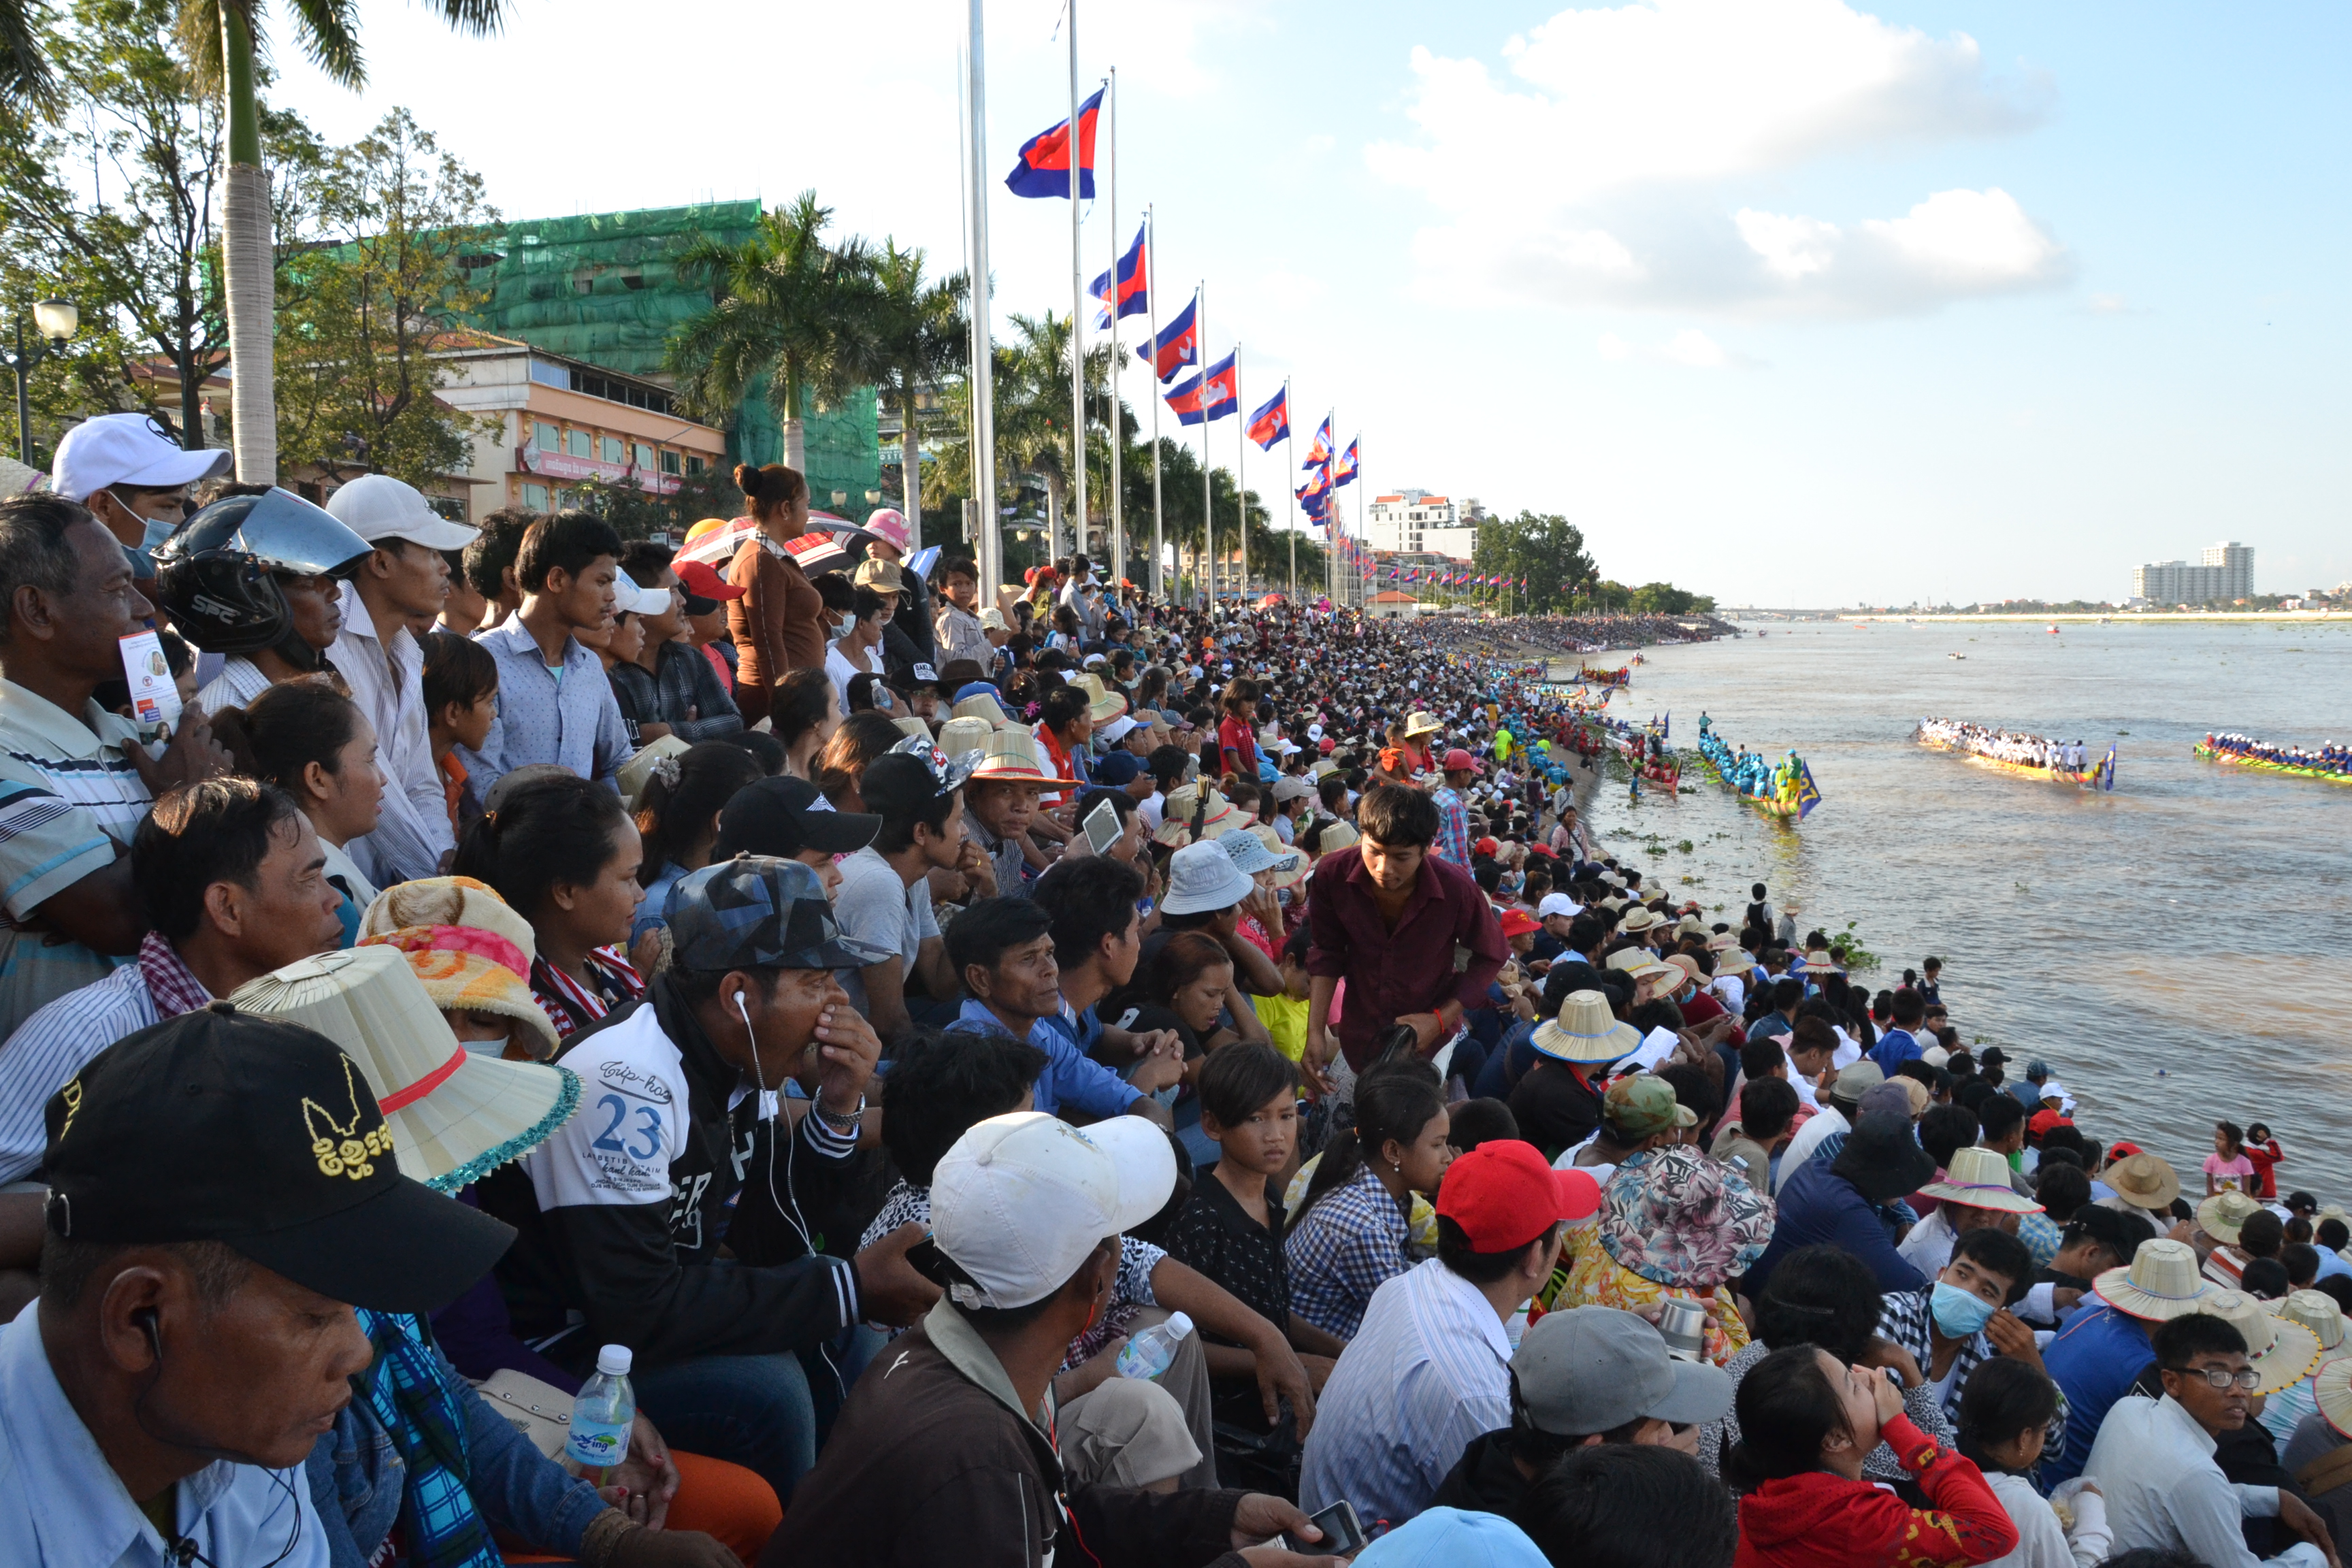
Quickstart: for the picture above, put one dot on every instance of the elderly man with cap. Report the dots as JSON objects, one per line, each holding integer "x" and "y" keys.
{"x": 1583, "y": 1378}
{"x": 1429, "y": 1369}
{"x": 133, "y": 476}
{"x": 195, "y": 1332}
{"x": 947, "y": 1451}
{"x": 402, "y": 583}
{"x": 76, "y": 781}
{"x": 624, "y": 1211}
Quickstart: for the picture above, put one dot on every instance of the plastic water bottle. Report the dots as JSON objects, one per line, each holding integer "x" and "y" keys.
{"x": 1147, "y": 1355}
{"x": 601, "y": 1415}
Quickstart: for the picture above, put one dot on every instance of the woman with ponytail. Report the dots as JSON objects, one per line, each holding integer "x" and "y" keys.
{"x": 779, "y": 624}
{"x": 313, "y": 742}
{"x": 1349, "y": 1236}
{"x": 1807, "y": 1420}
{"x": 564, "y": 855}
{"x": 677, "y": 823}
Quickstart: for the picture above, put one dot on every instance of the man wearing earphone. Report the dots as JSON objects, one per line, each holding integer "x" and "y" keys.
{"x": 625, "y": 1210}
{"x": 222, "y": 1194}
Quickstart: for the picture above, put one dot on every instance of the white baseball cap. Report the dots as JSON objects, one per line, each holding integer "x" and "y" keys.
{"x": 130, "y": 449}
{"x": 378, "y": 507}
{"x": 1111, "y": 731}
{"x": 630, "y": 597}
{"x": 1557, "y": 904}
{"x": 1021, "y": 1200}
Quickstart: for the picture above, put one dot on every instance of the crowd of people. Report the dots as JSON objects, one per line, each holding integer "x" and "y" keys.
{"x": 2330, "y": 759}
{"x": 1069, "y": 1078}
{"x": 2005, "y": 745}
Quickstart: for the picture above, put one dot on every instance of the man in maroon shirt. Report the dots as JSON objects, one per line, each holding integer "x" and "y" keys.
{"x": 1411, "y": 935}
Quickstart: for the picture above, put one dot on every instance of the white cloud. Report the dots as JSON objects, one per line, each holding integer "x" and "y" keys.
{"x": 1610, "y": 166}
{"x": 1690, "y": 348}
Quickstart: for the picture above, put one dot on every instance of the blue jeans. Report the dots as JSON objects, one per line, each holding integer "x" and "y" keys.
{"x": 767, "y": 1413}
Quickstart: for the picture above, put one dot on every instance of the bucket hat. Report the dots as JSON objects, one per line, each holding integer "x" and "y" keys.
{"x": 1202, "y": 876}
{"x": 2143, "y": 1181}
{"x": 2160, "y": 1283}
{"x": 1978, "y": 1179}
{"x": 1585, "y": 1032}
{"x": 1676, "y": 1217}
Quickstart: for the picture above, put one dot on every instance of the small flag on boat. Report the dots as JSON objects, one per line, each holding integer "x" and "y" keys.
{"x": 1808, "y": 795}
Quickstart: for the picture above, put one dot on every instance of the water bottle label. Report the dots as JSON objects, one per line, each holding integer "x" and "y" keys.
{"x": 596, "y": 1444}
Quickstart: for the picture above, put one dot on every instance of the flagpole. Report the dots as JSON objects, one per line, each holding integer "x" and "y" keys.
{"x": 1151, "y": 315}
{"x": 980, "y": 383}
{"x": 1241, "y": 455}
{"x": 1118, "y": 355}
{"x": 1208, "y": 515}
{"x": 1077, "y": 317}
{"x": 1289, "y": 452}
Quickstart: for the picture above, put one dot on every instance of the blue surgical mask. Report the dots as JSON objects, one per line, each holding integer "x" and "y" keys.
{"x": 142, "y": 560}
{"x": 1959, "y": 1312}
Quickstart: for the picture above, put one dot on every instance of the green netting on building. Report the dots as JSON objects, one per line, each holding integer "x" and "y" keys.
{"x": 602, "y": 288}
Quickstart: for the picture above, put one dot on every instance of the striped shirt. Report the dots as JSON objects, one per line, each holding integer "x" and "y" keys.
{"x": 60, "y": 1040}
{"x": 69, "y": 802}
{"x": 1348, "y": 1244}
{"x": 1429, "y": 1370}
{"x": 572, "y": 1007}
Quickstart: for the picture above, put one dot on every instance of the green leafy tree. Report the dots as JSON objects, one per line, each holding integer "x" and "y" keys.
{"x": 917, "y": 340}
{"x": 791, "y": 313}
{"x": 361, "y": 311}
{"x": 1543, "y": 548}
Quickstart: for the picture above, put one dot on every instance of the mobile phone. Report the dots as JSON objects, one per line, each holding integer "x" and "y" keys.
{"x": 1342, "y": 1536}
{"x": 1102, "y": 827}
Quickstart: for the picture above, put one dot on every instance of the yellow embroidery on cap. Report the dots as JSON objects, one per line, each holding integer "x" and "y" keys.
{"x": 71, "y": 1095}
{"x": 349, "y": 1152}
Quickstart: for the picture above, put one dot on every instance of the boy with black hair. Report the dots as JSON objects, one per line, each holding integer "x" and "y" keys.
{"x": 554, "y": 704}
{"x": 669, "y": 681}
{"x": 1091, "y": 903}
{"x": 885, "y": 896}
{"x": 489, "y": 562}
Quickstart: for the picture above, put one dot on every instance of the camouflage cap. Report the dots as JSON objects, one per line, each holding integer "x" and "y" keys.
{"x": 757, "y": 912}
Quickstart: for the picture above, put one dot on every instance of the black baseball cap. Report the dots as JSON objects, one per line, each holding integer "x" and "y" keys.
{"x": 261, "y": 1135}
{"x": 783, "y": 816}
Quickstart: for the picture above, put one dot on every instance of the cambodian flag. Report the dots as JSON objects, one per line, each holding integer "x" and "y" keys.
{"x": 1271, "y": 423}
{"x": 1318, "y": 450}
{"x": 1209, "y": 396}
{"x": 1346, "y": 474}
{"x": 1178, "y": 344}
{"x": 1133, "y": 282}
{"x": 1045, "y": 166}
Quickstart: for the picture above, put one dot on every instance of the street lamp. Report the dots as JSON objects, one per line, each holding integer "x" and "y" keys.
{"x": 55, "y": 320}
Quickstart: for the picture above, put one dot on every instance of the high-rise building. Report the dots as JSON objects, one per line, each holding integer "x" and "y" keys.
{"x": 2224, "y": 576}
{"x": 1416, "y": 521}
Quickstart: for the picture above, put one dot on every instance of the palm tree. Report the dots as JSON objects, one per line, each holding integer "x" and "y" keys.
{"x": 787, "y": 308}
{"x": 917, "y": 340}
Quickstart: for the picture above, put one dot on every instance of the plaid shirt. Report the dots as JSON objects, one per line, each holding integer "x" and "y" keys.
{"x": 1344, "y": 1248}
{"x": 1905, "y": 1317}
{"x": 1453, "y": 826}
{"x": 682, "y": 680}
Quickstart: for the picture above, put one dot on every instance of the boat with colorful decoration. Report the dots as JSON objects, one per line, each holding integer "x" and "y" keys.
{"x": 2330, "y": 763}
{"x": 2019, "y": 754}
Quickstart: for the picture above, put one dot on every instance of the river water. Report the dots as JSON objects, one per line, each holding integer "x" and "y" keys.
{"x": 2176, "y": 950}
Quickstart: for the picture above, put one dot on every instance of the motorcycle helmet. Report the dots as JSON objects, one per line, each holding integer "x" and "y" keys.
{"x": 216, "y": 577}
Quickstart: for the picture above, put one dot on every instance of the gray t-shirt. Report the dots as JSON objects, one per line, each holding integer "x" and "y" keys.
{"x": 872, "y": 905}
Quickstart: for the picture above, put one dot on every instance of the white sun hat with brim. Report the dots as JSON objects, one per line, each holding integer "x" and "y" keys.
{"x": 2331, "y": 1389}
{"x": 1202, "y": 878}
{"x": 1978, "y": 1179}
{"x": 1422, "y": 722}
{"x": 1013, "y": 756}
{"x": 2282, "y": 1351}
{"x": 981, "y": 706}
{"x": 1637, "y": 920}
{"x": 1586, "y": 1032}
{"x": 1021, "y": 1201}
{"x": 2317, "y": 1310}
{"x": 2160, "y": 1283}
{"x": 455, "y": 1115}
{"x": 1290, "y": 867}
{"x": 2225, "y": 1214}
{"x": 960, "y": 736}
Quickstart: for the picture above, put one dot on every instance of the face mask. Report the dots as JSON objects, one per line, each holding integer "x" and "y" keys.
{"x": 1959, "y": 1312}
{"x": 844, "y": 627}
{"x": 142, "y": 560}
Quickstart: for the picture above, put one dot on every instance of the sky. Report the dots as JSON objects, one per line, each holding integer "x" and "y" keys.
{"x": 1789, "y": 301}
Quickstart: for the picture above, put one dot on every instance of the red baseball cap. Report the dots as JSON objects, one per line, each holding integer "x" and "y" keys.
{"x": 2041, "y": 1121}
{"x": 1519, "y": 923}
{"x": 1458, "y": 761}
{"x": 1504, "y": 1195}
{"x": 1485, "y": 846}
{"x": 2123, "y": 1150}
{"x": 701, "y": 583}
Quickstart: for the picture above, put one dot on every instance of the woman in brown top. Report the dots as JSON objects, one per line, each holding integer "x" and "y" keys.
{"x": 779, "y": 623}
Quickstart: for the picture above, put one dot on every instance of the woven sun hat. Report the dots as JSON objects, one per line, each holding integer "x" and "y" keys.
{"x": 1422, "y": 722}
{"x": 641, "y": 769}
{"x": 2317, "y": 1310}
{"x": 2160, "y": 1283}
{"x": 1586, "y": 1032}
{"x": 2143, "y": 1181}
{"x": 1103, "y": 704}
{"x": 914, "y": 729}
{"x": 1722, "y": 942}
{"x": 1013, "y": 756}
{"x": 1687, "y": 964}
{"x": 1657, "y": 980}
{"x": 456, "y": 1115}
{"x": 454, "y": 901}
{"x": 984, "y": 706}
{"x": 1693, "y": 926}
{"x": 1630, "y": 958}
{"x": 1290, "y": 867}
{"x": 1202, "y": 878}
{"x": 2282, "y": 1351}
{"x": 1821, "y": 963}
{"x": 1200, "y": 799}
{"x": 1977, "y": 1179}
{"x": 1637, "y": 920}
{"x": 960, "y": 736}
{"x": 1336, "y": 835}
{"x": 2225, "y": 1214}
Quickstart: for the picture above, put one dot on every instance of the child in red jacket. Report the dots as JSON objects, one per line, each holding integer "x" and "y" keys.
{"x": 1806, "y": 1420}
